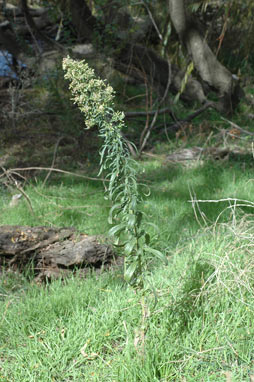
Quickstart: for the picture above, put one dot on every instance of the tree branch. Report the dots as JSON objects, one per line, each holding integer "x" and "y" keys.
{"x": 176, "y": 126}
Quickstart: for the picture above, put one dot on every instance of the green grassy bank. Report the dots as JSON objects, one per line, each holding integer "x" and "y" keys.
{"x": 94, "y": 329}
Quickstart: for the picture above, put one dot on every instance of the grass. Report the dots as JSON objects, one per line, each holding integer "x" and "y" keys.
{"x": 65, "y": 201}
{"x": 72, "y": 201}
{"x": 92, "y": 329}
{"x": 87, "y": 330}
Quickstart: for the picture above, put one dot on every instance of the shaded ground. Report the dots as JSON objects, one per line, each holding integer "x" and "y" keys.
{"x": 39, "y": 143}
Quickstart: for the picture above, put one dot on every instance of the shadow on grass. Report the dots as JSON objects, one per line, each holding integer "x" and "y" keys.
{"x": 190, "y": 306}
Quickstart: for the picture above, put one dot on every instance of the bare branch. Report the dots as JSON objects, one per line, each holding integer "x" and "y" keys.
{"x": 132, "y": 114}
{"x": 54, "y": 158}
{"x": 190, "y": 117}
{"x": 13, "y": 170}
{"x": 235, "y": 126}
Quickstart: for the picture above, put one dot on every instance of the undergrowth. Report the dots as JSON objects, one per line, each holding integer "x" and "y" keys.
{"x": 200, "y": 329}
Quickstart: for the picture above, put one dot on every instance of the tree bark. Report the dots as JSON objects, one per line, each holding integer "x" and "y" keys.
{"x": 50, "y": 249}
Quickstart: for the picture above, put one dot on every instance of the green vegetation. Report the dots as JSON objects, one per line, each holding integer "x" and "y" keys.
{"x": 198, "y": 325}
{"x": 92, "y": 329}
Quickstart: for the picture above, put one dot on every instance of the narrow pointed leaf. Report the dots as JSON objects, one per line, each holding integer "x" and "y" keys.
{"x": 128, "y": 248}
{"x": 116, "y": 229}
{"x": 156, "y": 253}
{"x": 130, "y": 270}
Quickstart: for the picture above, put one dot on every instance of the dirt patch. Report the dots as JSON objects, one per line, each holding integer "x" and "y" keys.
{"x": 44, "y": 144}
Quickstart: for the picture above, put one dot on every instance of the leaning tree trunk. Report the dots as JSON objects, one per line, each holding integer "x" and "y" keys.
{"x": 141, "y": 61}
{"x": 209, "y": 68}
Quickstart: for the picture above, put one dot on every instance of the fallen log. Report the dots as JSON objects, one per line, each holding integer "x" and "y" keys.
{"x": 51, "y": 251}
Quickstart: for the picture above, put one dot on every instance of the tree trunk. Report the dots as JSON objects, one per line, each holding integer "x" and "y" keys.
{"x": 209, "y": 68}
{"x": 146, "y": 64}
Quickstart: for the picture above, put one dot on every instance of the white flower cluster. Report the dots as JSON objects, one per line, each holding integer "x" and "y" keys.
{"x": 93, "y": 96}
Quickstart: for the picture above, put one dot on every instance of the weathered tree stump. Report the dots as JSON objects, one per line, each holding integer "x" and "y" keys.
{"x": 52, "y": 251}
